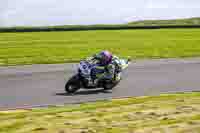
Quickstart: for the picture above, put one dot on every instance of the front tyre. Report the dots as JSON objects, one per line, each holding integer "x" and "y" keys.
{"x": 73, "y": 85}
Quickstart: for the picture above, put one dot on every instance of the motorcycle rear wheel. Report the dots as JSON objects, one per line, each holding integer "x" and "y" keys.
{"x": 110, "y": 86}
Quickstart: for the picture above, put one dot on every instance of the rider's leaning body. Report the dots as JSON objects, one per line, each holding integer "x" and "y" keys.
{"x": 106, "y": 66}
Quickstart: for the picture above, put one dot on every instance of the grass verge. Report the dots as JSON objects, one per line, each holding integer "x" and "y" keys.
{"x": 71, "y": 46}
{"x": 165, "y": 113}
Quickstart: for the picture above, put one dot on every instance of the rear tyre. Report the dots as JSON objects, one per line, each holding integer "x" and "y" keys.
{"x": 73, "y": 85}
{"x": 109, "y": 85}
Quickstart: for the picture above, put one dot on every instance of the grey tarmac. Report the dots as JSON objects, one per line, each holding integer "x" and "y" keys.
{"x": 43, "y": 85}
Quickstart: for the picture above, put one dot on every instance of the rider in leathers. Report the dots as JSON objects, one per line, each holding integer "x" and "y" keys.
{"x": 106, "y": 66}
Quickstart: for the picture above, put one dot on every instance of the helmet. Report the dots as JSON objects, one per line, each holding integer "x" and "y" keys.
{"x": 106, "y": 57}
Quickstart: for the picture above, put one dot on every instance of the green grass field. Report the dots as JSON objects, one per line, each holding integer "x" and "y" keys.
{"x": 70, "y": 46}
{"x": 169, "y": 113}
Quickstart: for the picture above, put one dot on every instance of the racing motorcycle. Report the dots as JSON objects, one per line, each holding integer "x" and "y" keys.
{"x": 83, "y": 76}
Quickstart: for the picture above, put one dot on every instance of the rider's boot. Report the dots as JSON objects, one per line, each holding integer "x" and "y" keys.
{"x": 90, "y": 82}
{"x": 95, "y": 81}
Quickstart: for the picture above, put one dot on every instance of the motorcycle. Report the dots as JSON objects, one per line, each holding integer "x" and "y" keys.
{"x": 83, "y": 77}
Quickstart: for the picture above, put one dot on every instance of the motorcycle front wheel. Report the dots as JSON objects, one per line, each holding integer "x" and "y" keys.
{"x": 72, "y": 85}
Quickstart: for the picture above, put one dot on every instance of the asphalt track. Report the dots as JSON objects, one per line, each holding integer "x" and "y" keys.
{"x": 42, "y": 85}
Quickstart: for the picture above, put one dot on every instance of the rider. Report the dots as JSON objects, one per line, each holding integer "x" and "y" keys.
{"x": 105, "y": 68}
